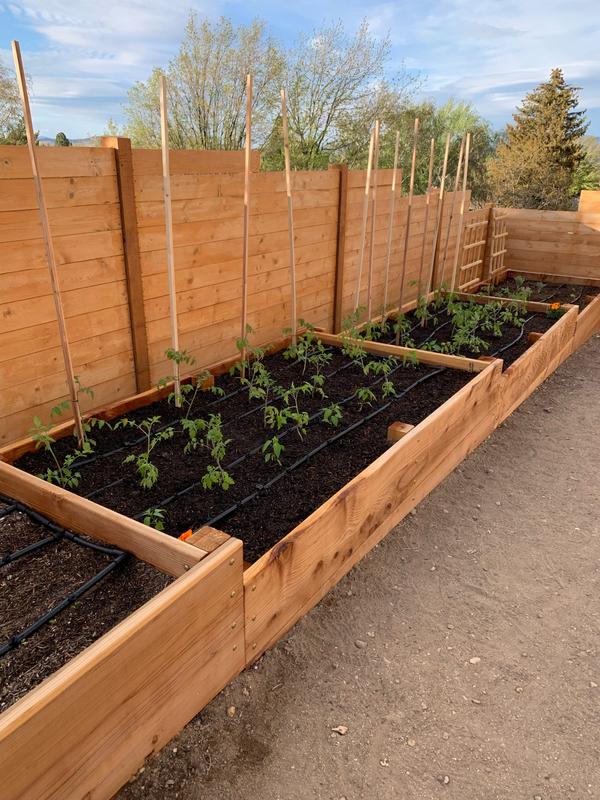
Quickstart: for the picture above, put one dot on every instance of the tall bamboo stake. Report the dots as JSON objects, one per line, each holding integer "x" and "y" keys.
{"x": 363, "y": 229}
{"x": 391, "y": 224}
{"x": 245, "y": 251}
{"x": 408, "y": 215}
{"x": 164, "y": 142}
{"x": 452, "y": 207}
{"x": 48, "y": 244}
{"x": 373, "y": 215}
{"x": 439, "y": 217}
{"x": 288, "y": 188}
{"x": 427, "y": 204}
{"x": 462, "y": 213}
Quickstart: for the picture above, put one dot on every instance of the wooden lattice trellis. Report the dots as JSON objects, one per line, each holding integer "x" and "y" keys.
{"x": 483, "y": 245}
{"x": 497, "y": 245}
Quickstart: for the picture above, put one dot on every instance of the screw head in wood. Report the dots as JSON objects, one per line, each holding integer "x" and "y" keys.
{"x": 232, "y": 594}
{"x": 253, "y": 588}
{"x": 233, "y": 624}
{"x": 231, "y": 562}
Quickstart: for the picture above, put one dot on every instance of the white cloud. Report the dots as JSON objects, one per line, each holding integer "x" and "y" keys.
{"x": 92, "y": 52}
{"x": 489, "y": 53}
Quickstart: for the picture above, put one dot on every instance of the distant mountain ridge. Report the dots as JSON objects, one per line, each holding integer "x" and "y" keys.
{"x": 89, "y": 141}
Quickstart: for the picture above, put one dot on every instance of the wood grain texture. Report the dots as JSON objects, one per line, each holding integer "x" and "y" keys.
{"x": 539, "y": 361}
{"x": 562, "y": 242}
{"x": 131, "y": 257}
{"x": 87, "y": 729}
{"x": 84, "y": 516}
{"x": 588, "y": 322}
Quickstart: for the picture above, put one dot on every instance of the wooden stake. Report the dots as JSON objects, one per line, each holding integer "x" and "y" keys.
{"x": 363, "y": 231}
{"x": 456, "y": 182}
{"x": 245, "y": 252}
{"x": 427, "y": 203}
{"x": 48, "y": 244}
{"x": 391, "y": 224}
{"x": 462, "y": 213}
{"x": 288, "y": 188}
{"x": 408, "y": 215}
{"x": 439, "y": 217}
{"x": 373, "y": 216}
{"x": 164, "y": 141}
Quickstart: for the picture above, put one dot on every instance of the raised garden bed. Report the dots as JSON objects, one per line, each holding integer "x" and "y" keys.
{"x": 304, "y": 523}
{"x": 565, "y": 288}
{"x": 87, "y": 726}
{"x": 295, "y": 569}
{"x": 532, "y": 343}
{"x": 334, "y": 453}
{"x": 44, "y": 569}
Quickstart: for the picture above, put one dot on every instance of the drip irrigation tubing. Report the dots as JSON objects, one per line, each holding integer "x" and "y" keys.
{"x": 57, "y": 534}
{"x": 286, "y": 432}
{"x": 340, "y": 434}
{"x": 307, "y": 456}
{"x": 245, "y": 414}
{"x": 259, "y": 408}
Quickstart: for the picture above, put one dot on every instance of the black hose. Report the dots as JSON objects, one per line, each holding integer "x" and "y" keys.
{"x": 58, "y": 534}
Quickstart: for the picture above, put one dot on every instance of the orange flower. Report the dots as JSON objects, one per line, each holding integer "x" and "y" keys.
{"x": 186, "y": 535}
{"x": 555, "y": 306}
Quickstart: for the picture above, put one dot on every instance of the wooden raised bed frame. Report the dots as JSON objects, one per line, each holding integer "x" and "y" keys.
{"x": 84, "y": 731}
{"x": 158, "y": 668}
{"x": 588, "y": 321}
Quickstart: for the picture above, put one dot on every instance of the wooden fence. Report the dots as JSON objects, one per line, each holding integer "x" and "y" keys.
{"x": 556, "y": 242}
{"x": 106, "y": 216}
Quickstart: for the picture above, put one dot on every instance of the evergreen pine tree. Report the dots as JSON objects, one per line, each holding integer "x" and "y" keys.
{"x": 535, "y": 165}
{"x": 61, "y": 140}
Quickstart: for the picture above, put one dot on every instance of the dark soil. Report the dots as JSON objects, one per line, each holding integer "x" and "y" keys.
{"x": 509, "y": 346}
{"x": 32, "y": 585}
{"x": 266, "y": 501}
{"x": 548, "y": 292}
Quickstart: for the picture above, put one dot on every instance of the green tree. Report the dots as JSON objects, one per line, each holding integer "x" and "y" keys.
{"x": 536, "y": 161}
{"x": 12, "y": 128}
{"x": 206, "y": 82}
{"x": 330, "y": 76}
{"x": 61, "y": 140}
{"x": 397, "y": 112}
{"x": 587, "y": 174}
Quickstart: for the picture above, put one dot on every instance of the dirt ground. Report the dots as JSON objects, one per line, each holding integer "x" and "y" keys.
{"x": 461, "y": 655}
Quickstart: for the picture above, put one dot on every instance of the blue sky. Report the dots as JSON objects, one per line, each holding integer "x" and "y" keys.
{"x": 82, "y": 56}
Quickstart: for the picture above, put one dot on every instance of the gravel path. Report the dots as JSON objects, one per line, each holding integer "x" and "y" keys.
{"x": 460, "y": 659}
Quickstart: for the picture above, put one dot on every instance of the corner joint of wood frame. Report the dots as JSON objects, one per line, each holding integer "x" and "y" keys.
{"x": 398, "y": 430}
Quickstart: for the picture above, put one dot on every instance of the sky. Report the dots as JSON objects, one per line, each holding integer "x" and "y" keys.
{"x": 83, "y": 56}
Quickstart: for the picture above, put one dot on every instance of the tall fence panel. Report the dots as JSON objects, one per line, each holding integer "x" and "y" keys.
{"x": 107, "y": 222}
{"x": 83, "y": 202}
{"x": 554, "y": 242}
{"x": 421, "y": 236}
{"x": 207, "y": 229}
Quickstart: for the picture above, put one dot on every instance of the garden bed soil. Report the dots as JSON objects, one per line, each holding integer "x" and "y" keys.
{"x": 254, "y": 521}
{"x": 35, "y": 583}
{"x": 509, "y": 346}
{"x": 573, "y": 293}
{"x": 246, "y": 509}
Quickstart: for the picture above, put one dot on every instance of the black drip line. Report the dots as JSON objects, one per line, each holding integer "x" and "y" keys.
{"x": 168, "y": 500}
{"x": 336, "y": 437}
{"x": 57, "y": 534}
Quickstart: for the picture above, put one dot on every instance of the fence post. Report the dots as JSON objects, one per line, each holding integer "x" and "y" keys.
{"x": 131, "y": 252}
{"x": 338, "y": 299}
{"x": 489, "y": 244}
